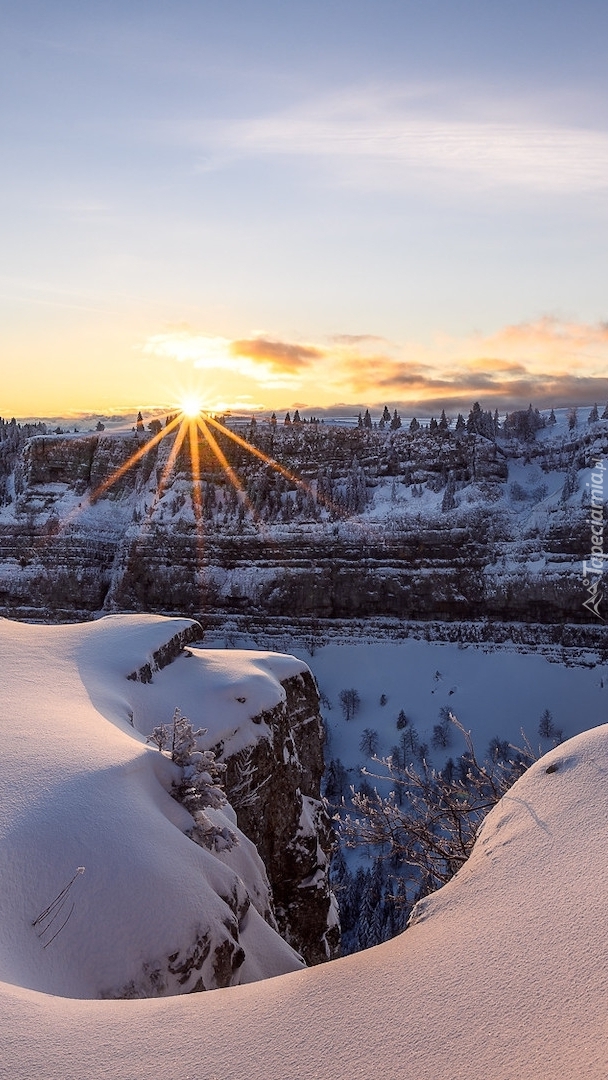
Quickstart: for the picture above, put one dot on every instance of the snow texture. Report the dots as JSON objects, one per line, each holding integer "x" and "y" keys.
{"x": 80, "y": 787}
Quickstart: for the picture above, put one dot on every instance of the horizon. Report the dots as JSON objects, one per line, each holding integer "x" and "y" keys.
{"x": 338, "y": 414}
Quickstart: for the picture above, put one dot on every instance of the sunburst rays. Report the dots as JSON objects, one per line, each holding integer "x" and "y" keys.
{"x": 191, "y": 432}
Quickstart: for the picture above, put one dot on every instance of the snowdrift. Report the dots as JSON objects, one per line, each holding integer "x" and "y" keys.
{"x": 152, "y": 913}
{"x": 501, "y": 975}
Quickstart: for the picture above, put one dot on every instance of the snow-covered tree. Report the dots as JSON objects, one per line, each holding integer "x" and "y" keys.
{"x": 199, "y": 786}
{"x": 431, "y": 834}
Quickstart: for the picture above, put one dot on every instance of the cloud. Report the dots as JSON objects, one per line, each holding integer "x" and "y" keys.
{"x": 546, "y": 361}
{"x": 282, "y": 355}
{"x": 384, "y": 136}
{"x": 269, "y": 362}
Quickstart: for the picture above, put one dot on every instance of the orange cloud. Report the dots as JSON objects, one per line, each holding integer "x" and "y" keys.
{"x": 280, "y": 354}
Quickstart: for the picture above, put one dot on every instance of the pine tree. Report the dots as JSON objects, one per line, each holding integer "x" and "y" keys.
{"x": 401, "y": 721}
{"x": 593, "y": 415}
{"x": 449, "y": 495}
{"x": 546, "y": 727}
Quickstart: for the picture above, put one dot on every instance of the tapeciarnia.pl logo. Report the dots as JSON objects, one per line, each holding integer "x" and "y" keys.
{"x": 594, "y": 568}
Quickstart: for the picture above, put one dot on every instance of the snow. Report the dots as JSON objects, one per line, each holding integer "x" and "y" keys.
{"x": 79, "y": 787}
{"x": 494, "y": 689}
{"x": 502, "y": 975}
{"x": 222, "y": 691}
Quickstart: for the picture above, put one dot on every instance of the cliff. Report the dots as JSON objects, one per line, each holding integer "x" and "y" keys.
{"x": 274, "y": 765}
{"x": 406, "y": 526}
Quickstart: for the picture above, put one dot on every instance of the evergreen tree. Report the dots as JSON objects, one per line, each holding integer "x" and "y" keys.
{"x": 367, "y": 420}
{"x": 386, "y": 416}
{"x": 443, "y": 422}
{"x": 570, "y": 483}
{"x": 605, "y": 413}
{"x": 546, "y": 727}
{"x": 287, "y": 419}
{"x": 414, "y": 424}
{"x": 593, "y": 415}
{"x": 140, "y": 424}
{"x": 460, "y": 423}
{"x": 449, "y": 495}
{"x": 552, "y": 417}
{"x": 396, "y": 421}
{"x": 401, "y": 721}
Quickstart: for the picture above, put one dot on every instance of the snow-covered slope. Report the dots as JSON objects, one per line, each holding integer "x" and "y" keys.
{"x": 502, "y": 975}
{"x": 153, "y": 912}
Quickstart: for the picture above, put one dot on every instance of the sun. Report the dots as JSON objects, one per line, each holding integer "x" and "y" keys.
{"x": 191, "y": 406}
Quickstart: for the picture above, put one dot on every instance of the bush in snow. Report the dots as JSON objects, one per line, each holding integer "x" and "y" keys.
{"x": 199, "y": 787}
{"x": 430, "y": 830}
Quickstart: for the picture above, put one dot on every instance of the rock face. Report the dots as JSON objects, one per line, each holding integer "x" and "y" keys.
{"x": 280, "y": 809}
{"x": 84, "y": 533}
{"x": 273, "y": 783}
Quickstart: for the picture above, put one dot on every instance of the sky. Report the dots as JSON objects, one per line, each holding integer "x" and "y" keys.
{"x": 323, "y": 205}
